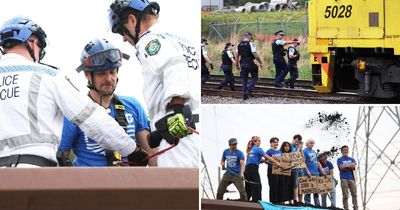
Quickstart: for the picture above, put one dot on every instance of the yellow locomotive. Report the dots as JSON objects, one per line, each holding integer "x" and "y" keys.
{"x": 354, "y": 45}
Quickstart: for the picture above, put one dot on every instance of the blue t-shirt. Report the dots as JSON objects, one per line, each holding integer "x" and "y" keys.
{"x": 271, "y": 152}
{"x": 327, "y": 167}
{"x": 233, "y": 161}
{"x": 293, "y": 148}
{"x": 310, "y": 157}
{"x": 347, "y": 173}
{"x": 256, "y": 153}
{"x": 87, "y": 151}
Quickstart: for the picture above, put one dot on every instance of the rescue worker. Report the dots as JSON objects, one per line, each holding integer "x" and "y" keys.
{"x": 35, "y": 99}
{"x": 228, "y": 60}
{"x": 278, "y": 50}
{"x": 100, "y": 60}
{"x": 234, "y": 170}
{"x": 246, "y": 54}
{"x": 205, "y": 73}
{"x": 293, "y": 57}
{"x": 170, "y": 71}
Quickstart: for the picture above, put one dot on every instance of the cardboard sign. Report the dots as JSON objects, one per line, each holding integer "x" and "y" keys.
{"x": 297, "y": 159}
{"x": 307, "y": 185}
{"x": 325, "y": 185}
{"x": 315, "y": 184}
{"x": 285, "y": 163}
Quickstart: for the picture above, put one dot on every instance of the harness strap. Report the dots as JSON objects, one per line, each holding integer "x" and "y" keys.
{"x": 122, "y": 121}
{"x": 14, "y": 160}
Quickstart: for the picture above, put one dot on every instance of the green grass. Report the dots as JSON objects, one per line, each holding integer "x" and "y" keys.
{"x": 216, "y": 45}
{"x": 264, "y": 50}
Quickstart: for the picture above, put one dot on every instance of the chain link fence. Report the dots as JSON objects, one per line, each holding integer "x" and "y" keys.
{"x": 221, "y": 31}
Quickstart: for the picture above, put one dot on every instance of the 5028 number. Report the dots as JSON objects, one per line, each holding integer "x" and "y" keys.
{"x": 338, "y": 11}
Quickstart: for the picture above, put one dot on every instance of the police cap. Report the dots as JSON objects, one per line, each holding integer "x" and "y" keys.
{"x": 280, "y": 32}
{"x": 232, "y": 141}
{"x": 248, "y": 34}
{"x": 228, "y": 45}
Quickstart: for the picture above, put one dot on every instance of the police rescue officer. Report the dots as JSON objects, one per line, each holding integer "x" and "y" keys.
{"x": 228, "y": 59}
{"x": 32, "y": 120}
{"x": 205, "y": 73}
{"x": 278, "y": 50}
{"x": 246, "y": 55}
{"x": 293, "y": 57}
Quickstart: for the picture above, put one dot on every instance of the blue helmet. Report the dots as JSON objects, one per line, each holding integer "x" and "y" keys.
{"x": 119, "y": 6}
{"x": 20, "y": 29}
{"x": 100, "y": 55}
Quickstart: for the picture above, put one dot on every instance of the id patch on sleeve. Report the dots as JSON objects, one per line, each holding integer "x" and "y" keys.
{"x": 153, "y": 47}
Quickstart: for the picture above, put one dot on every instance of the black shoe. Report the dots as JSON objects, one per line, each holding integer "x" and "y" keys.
{"x": 278, "y": 85}
{"x": 245, "y": 97}
{"x": 286, "y": 83}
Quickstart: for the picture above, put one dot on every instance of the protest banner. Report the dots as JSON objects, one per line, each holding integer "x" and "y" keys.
{"x": 285, "y": 163}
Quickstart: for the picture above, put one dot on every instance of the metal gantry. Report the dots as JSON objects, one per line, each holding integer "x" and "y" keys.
{"x": 376, "y": 148}
{"x": 208, "y": 191}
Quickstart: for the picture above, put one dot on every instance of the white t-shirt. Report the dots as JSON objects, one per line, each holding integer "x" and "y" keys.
{"x": 171, "y": 68}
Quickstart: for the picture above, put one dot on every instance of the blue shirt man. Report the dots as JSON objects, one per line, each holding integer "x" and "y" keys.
{"x": 100, "y": 61}
{"x": 234, "y": 170}
{"x": 346, "y": 174}
{"x": 233, "y": 159}
{"x": 90, "y": 153}
{"x": 310, "y": 157}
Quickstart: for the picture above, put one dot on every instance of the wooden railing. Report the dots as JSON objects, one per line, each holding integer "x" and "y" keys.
{"x": 108, "y": 188}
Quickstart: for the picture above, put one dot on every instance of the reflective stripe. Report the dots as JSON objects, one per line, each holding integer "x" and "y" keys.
{"x": 28, "y": 139}
{"x": 38, "y": 69}
{"x": 84, "y": 114}
{"x": 33, "y": 94}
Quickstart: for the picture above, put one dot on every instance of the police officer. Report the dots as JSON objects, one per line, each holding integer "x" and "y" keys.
{"x": 170, "y": 71}
{"x": 293, "y": 57}
{"x": 100, "y": 60}
{"x": 246, "y": 55}
{"x": 228, "y": 60}
{"x": 205, "y": 73}
{"x": 37, "y": 98}
{"x": 278, "y": 51}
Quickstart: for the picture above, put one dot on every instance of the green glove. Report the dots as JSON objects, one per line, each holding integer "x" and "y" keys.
{"x": 177, "y": 126}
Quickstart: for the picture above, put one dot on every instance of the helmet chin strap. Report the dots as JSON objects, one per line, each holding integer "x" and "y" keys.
{"x": 135, "y": 38}
{"x": 92, "y": 86}
{"x": 31, "y": 53}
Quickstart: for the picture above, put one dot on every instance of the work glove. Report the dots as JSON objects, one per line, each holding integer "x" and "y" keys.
{"x": 177, "y": 126}
{"x": 138, "y": 157}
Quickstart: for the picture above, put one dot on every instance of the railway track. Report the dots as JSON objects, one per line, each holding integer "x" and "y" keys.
{"x": 265, "y": 88}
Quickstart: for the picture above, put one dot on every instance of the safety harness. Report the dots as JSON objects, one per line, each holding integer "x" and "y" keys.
{"x": 123, "y": 122}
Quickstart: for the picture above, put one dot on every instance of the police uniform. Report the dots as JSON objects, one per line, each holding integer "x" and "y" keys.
{"x": 226, "y": 66}
{"x": 33, "y": 100}
{"x": 205, "y": 73}
{"x": 87, "y": 151}
{"x": 245, "y": 50}
{"x": 292, "y": 65}
{"x": 170, "y": 69}
{"x": 281, "y": 68}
